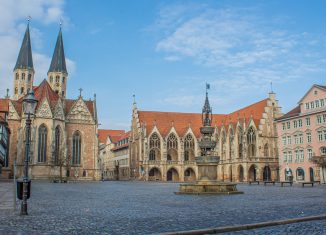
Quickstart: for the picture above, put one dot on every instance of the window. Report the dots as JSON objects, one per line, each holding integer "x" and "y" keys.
{"x": 307, "y": 121}
{"x": 319, "y": 119}
{"x": 23, "y": 76}
{"x": 307, "y": 105}
{"x": 172, "y": 142}
{"x": 297, "y": 156}
{"x": 283, "y": 126}
{"x": 301, "y": 153}
{"x": 289, "y": 140}
{"x": 17, "y": 76}
{"x": 284, "y": 140}
{"x": 240, "y": 141}
{"x": 57, "y": 79}
{"x": 312, "y": 104}
{"x": 76, "y": 148}
{"x": 21, "y": 90}
{"x": 152, "y": 155}
{"x": 51, "y": 79}
{"x": 300, "y": 138}
{"x": 63, "y": 93}
{"x": 42, "y": 140}
{"x": 320, "y": 135}
{"x": 308, "y": 137}
{"x": 324, "y": 134}
{"x": 300, "y": 122}
{"x": 296, "y": 139}
{"x": 63, "y": 79}
{"x": 295, "y": 124}
{"x": 29, "y": 77}
{"x": 251, "y": 138}
{"x": 186, "y": 155}
{"x": 309, "y": 151}
{"x": 288, "y": 124}
{"x": 266, "y": 152}
{"x": 315, "y": 92}
{"x": 285, "y": 154}
{"x": 290, "y": 156}
{"x": 189, "y": 146}
{"x": 317, "y": 103}
{"x": 323, "y": 150}
{"x": 322, "y": 103}
{"x": 57, "y": 146}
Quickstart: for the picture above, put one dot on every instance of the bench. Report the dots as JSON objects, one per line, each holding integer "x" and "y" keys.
{"x": 286, "y": 182}
{"x": 269, "y": 182}
{"x": 317, "y": 181}
{"x": 253, "y": 182}
{"x": 311, "y": 183}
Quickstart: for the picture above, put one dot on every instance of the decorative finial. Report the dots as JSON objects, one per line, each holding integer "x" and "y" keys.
{"x": 80, "y": 92}
{"x": 60, "y": 22}
{"x": 134, "y": 98}
{"x": 272, "y": 87}
{"x": 28, "y": 19}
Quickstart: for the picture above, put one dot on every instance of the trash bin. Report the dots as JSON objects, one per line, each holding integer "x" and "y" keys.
{"x": 20, "y": 190}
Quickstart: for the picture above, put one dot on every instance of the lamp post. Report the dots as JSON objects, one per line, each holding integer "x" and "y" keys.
{"x": 29, "y": 106}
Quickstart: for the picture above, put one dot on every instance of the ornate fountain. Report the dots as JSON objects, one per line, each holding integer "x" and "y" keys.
{"x": 207, "y": 162}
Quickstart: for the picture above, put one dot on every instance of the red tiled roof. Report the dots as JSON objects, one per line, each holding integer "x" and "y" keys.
{"x": 182, "y": 121}
{"x": 293, "y": 113}
{"x": 104, "y": 134}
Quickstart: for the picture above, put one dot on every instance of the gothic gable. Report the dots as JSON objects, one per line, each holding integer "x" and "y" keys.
{"x": 79, "y": 113}
{"x": 58, "y": 112}
{"x": 13, "y": 114}
{"x": 44, "y": 110}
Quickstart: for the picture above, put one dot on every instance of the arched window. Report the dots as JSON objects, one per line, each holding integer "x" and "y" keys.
{"x": 231, "y": 142}
{"x": 300, "y": 174}
{"x": 23, "y": 76}
{"x": 251, "y": 139}
{"x": 57, "y": 139}
{"x": 42, "y": 140}
{"x": 21, "y": 90}
{"x": 240, "y": 142}
{"x": 266, "y": 150}
{"x": 17, "y": 76}
{"x": 57, "y": 79}
{"x": 29, "y": 77}
{"x": 189, "y": 148}
{"x": 155, "y": 146}
{"x": 223, "y": 141}
{"x": 51, "y": 79}
{"x": 172, "y": 142}
{"x": 76, "y": 148}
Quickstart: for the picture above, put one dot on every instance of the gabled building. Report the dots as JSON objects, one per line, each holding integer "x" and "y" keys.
{"x": 63, "y": 131}
{"x": 302, "y": 138}
{"x": 163, "y": 145}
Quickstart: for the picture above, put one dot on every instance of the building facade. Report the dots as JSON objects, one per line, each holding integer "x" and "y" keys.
{"x": 163, "y": 145}
{"x": 4, "y": 140}
{"x": 302, "y": 137}
{"x": 63, "y": 131}
{"x": 114, "y": 154}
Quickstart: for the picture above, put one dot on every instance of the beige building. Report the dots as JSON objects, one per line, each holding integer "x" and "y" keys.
{"x": 163, "y": 145}
{"x": 63, "y": 131}
{"x": 114, "y": 154}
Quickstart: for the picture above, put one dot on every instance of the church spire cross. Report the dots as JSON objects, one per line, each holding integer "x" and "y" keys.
{"x": 80, "y": 92}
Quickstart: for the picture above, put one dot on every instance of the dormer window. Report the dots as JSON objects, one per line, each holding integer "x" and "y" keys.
{"x": 316, "y": 92}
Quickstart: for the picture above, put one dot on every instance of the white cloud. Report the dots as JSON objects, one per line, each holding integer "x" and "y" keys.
{"x": 246, "y": 51}
{"x": 12, "y": 27}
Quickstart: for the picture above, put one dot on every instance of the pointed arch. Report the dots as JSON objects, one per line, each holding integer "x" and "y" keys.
{"x": 231, "y": 142}
{"x": 189, "y": 148}
{"x": 223, "y": 144}
{"x": 172, "y": 147}
{"x": 42, "y": 143}
{"x": 154, "y": 147}
{"x": 57, "y": 144}
{"x": 240, "y": 141}
{"x": 76, "y": 148}
{"x": 251, "y": 140}
{"x": 266, "y": 150}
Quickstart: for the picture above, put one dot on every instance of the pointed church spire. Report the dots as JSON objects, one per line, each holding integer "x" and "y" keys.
{"x": 207, "y": 110}
{"x": 25, "y": 59}
{"x": 58, "y": 63}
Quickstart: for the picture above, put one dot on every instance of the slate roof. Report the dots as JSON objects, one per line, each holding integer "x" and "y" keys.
{"x": 58, "y": 62}
{"x": 25, "y": 59}
{"x": 164, "y": 121}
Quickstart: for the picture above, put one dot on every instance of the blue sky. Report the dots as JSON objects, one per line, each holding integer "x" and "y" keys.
{"x": 165, "y": 51}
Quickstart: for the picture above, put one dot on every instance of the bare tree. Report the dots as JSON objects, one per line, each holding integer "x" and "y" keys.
{"x": 62, "y": 161}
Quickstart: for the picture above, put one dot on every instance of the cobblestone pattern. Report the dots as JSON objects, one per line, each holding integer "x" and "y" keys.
{"x": 145, "y": 208}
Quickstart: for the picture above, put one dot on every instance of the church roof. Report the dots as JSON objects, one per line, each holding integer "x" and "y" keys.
{"x": 58, "y": 63}
{"x": 25, "y": 59}
{"x": 104, "y": 134}
{"x": 164, "y": 121}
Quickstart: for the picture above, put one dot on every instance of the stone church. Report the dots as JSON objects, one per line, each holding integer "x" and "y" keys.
{"x": 163, "y": 145}
{"x": 64, "y": 132}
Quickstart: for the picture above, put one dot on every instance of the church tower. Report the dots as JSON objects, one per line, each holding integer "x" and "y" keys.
{"x": 24, "y": 69}
{"x": 57, "y": 74}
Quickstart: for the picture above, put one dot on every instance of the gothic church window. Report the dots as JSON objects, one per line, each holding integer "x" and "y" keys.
{"x": 57, "y": 145}
{"x": 240, "y": 142}
{"x": 266, "y": 151}
{"x": 23, "y": 76}
{"x": 154, "y": 146}
{"x": 172, "y": 146}
{"x": 189, "y": 147}
{"x": 42, "y": 140}
{"x": 57, "y": 78}
{"x": 29, "y": 77}
{"x": 251, "y": 139}
{"x": 76, "y": 148}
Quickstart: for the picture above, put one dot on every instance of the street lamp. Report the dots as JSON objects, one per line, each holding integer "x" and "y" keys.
{"x": 29, "y": 106}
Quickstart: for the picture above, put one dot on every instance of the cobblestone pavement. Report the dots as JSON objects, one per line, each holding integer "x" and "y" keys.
{"x": 145, "y": 208}
{"x": 6, "y": 196}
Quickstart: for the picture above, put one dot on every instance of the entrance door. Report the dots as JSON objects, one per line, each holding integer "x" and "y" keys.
{"x": 311, "y": 172}
{"x": 169, "y": 175}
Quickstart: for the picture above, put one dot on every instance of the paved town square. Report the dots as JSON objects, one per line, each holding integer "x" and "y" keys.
{"x": 113, "y": 207}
